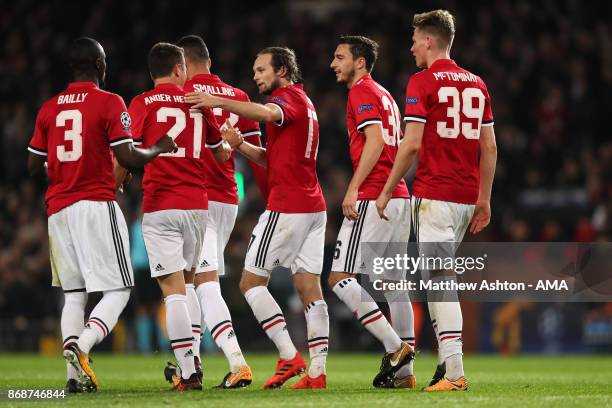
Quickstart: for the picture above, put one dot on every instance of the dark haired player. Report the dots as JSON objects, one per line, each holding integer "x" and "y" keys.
{"x": 76, "y": 134}
{"x": 175, "y": 199}
{"x": 373, "y": 122}
{"x": 205, "y": 301}
{"x": 291, "y": 232}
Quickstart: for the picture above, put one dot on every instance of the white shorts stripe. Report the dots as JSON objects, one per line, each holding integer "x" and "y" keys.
{"x": 355, "y": 237}
{"x": 262, "y": 251}
{"x": 118, "y": 243}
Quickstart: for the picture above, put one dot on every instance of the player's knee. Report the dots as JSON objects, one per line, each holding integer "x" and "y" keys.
{"x": 204, "y": 277}
{"x": 333, "y": 279}
{"x": 78, "y": 299}
{"x": 245, "y": 284}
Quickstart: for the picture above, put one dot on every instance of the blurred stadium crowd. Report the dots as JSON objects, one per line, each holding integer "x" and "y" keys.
{"x": 548, "y": 66}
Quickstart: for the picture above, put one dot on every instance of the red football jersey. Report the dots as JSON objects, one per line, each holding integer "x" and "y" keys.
{"x": 291, "y": 153}
{"x": 75, "y": 130}
{"x": 370, "y": 103}
{"x": 453, "y": 104}
{"x": 174, "y": 180}
{"x": 220, "y": 181}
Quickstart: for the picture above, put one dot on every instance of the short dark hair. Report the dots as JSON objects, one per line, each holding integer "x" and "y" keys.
{"x": 162, "y": 59}
{"x": 440, "y": 23}
{"x": 195, "y": 48}
{"x": 284, "y": 57}
{"x": 361, "y": 46}
{"x": 84, "y": 52}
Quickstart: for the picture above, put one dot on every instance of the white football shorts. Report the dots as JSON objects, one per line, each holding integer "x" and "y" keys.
{"x": 293, "y": 241}
{"x": 440, "y": 222}
{"x": 369, "y": 227}
{"x": 89, "y": 247}
{"x": 221, "y": 220}
{"x": 173, "y": 239}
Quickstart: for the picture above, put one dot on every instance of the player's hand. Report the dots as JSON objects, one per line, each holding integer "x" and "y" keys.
{"x": 166, "y": 145}
{"x": 381, "y": 204}
{"x": 201, "y": 100}
{"x": 481, "y": 217}
{"x": 232, "y": 135}
{"x": 126, "y": 181}
{"x": 349, "y": 204}
{"x": 121, "y": 175}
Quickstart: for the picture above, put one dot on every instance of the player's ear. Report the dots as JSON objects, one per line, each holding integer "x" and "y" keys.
{"x": 282, "y": 72}
{"x": 430, "y": 42}
{"x": 100, "y": 66}
{"x": 361, "y": 62}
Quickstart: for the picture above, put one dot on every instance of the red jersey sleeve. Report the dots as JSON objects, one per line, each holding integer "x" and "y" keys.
{"x": 213, "y": 134}
{"x": 416, "y": 100}
{"x": 487, "y": 115}
{"x": 282, "y": 100}
{"x": 366, "y": 107}
{"x": 38, "y": 143}
{"x": 118, "y": 121}
{"x": 138, "y": 114}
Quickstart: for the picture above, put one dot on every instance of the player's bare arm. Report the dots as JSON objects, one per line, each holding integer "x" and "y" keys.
{"x": 36, "y": 164}
{"x": 372, "y": 149}
{"x": 250, "y": 110}
{"x": 254, "y": 153}
{"x": 488, "y": 160}
{"x": 131, "y": 157}
{"x": 121, "y": 174}
{"x": 407, "y": 152}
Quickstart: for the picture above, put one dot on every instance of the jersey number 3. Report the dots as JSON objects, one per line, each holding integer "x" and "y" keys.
{"x": 461, "y": 103}
{"x": 74, "y": 135}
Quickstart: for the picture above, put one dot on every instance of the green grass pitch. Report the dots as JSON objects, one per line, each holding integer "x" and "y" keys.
{"x": 134, "y": 380}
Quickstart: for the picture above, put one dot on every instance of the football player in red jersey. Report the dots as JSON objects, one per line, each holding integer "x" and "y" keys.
{"x": 449, "y": 125}
{"x": 291, "y": 232}
{"x": 205, "y": 300}
{"x": 373, "y": 122}
{"x": 76, "y": 134}
{"x": 175, "y": 202}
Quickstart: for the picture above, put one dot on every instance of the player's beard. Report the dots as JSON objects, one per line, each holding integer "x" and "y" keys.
{"x": 349, "y": 77}
{"x": 273, "y": 86}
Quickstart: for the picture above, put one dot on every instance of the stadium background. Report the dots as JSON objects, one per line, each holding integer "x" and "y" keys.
{"x": 548, "y": 66}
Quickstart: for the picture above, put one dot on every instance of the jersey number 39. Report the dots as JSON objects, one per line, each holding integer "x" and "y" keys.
{"x": 463, "y": 103}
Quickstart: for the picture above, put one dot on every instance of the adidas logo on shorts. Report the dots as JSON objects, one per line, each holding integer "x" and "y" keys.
{"x": 159, "y": 268}
{"x": 204, "y": 264}
{"x": 276, "y": 263}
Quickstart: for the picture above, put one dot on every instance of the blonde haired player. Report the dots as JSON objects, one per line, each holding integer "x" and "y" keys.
{"x": 449, "y": 125}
